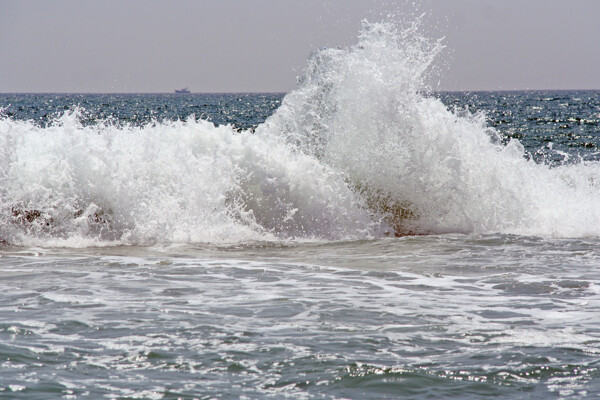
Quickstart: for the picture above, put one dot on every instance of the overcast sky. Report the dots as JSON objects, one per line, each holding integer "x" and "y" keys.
{"x": 262, "y": 45}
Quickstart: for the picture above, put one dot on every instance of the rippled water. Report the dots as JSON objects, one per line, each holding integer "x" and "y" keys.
{"x": 447, "y": 316}
{"x": 555, "y": 126}
{"x": 243, "y": 110}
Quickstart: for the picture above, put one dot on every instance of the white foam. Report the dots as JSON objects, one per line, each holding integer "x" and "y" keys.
{"x": 166, "y": 182}
{"x": 357, "y": 150}
{"x": 361, "y": 111}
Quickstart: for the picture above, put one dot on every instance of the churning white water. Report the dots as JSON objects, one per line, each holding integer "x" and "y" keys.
{"x": 358, "y": 150}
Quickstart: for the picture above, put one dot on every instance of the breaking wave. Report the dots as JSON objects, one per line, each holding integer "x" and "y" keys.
{"x": 358, "y": 150}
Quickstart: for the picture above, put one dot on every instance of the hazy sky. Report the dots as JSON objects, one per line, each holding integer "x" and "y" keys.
{"x": 262, "y": 45}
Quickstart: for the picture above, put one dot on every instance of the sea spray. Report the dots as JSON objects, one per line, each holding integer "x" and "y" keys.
{"x": 358, "y": 150}
{"x": 180, "y": 181}
{"x": 364, "y": 112}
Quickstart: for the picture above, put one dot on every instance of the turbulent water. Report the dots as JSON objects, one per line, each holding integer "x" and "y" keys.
{"x": 358, "y": 237}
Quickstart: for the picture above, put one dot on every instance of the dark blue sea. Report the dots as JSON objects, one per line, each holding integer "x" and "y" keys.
{"x": 360, "y": 237}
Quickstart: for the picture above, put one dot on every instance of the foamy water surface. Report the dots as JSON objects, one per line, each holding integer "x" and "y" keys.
{"x": 447, "y": 316}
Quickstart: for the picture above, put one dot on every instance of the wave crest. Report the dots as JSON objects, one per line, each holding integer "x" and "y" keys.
{"x": 358, "y": 150}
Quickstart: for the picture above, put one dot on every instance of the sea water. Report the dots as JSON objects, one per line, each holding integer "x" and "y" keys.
{"x": 359, "y": 237}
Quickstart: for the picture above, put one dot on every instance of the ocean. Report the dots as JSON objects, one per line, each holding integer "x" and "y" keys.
{"x": 360, "y": 237}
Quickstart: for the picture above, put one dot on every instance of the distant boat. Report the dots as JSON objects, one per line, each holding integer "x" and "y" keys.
{"x": 182, "y": 91}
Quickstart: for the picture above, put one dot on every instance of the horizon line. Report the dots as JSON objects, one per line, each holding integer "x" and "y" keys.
{"x": 285, "y": 92}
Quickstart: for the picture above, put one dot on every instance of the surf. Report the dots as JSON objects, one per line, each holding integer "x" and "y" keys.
{"x": 365, "y": 110}
{"x": 360, "y": 149}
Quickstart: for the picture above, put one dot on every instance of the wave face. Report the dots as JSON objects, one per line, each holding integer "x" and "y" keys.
{"x": 356, "y": 151}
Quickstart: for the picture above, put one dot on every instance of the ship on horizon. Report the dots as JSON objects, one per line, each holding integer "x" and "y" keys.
{"x": 182, "y": 91}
